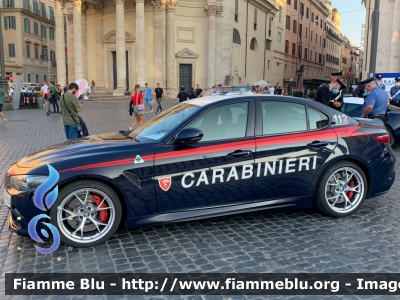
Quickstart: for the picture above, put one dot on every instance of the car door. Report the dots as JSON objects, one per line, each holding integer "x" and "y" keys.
{"x": 292, "y": 142}
{"x": 217, "y": 170}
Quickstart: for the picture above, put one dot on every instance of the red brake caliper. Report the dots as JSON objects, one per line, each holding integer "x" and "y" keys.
{"x": 350, "y": 193}
{"x": 103, "y": 213}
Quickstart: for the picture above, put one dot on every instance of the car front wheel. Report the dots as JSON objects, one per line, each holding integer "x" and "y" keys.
{"x": 341, "y": 190}
{"x": 86, "y": 213}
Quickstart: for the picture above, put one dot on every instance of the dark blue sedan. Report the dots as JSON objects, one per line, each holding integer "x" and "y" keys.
{"x": 352, "y": 106}
{"x": 203, "y": 158}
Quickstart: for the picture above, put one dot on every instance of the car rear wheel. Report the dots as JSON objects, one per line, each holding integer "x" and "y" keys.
{"x": 341, "y": 190}
{"x": 86, "y": 213}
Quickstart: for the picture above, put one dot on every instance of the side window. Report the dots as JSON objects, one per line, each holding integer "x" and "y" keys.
{"x": 283, "y": 117}
{"x": 317, "y": 119}
{"x": 224, "y": 122}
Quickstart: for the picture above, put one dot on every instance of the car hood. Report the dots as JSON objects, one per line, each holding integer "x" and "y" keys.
{"x": 101, "y": 144}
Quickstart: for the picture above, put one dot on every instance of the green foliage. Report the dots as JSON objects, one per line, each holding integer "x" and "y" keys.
{"x": 298, "y": 94}
{"x": 311, "y": 95}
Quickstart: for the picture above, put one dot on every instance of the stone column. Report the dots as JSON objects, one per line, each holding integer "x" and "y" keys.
{"x": 211, "y": 11}
{"x": 100, "y": 87}
{"x": 226, "y": 42}
{"x": 159, "y": 10}
{"x": 164, "y": 44}
{"x": 394, "y": 51}
{"x": 140, "y": 44}
{"x": 171, "y": 65}
{"x": 60, "y": 44}
{"x": 218, "y": 46}
{"x": 77, "y": 27}
{"x": 84, "y": 48}
{"x": 70, "y": 48}
{"x": 120, "y": 48}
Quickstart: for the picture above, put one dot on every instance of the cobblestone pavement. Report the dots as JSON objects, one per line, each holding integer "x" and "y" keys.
{"x": 294, "y": 241}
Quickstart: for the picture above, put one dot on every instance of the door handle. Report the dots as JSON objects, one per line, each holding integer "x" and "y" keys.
{"x": 318, "y": 144}
{"x": 239, "y": 153}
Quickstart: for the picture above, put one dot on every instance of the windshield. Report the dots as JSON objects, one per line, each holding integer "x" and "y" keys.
{"x": 166, "y": 123}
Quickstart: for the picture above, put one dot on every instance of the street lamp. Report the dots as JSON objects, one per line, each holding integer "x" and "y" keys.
{"x": 3, "y": 79}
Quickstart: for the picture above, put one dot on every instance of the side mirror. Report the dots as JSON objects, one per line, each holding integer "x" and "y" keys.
{"x": 188, "y": 136}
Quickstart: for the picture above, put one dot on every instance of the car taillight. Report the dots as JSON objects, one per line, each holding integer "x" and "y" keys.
{"x": 383, "y": 138}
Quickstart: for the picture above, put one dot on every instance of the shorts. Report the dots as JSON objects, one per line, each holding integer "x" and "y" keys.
{"x": 147, "y": 102}
{"x": 137, "y": 112}
{"x": 1, "y": 107}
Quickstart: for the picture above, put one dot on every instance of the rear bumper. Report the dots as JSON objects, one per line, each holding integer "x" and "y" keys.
{"x": 382, "y": 174}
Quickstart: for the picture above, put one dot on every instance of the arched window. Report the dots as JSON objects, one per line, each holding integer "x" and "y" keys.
{"x": 294, "y": 26}
{"x": 287, "y": 47}
{"x": 236, "y": 36}
{"x": 294, "y": 49}
{"x": 254, "y": 44}
{"x": 300, "y": 52}
{"x": 305, "y": 53}
{"x": 287, "y": 22}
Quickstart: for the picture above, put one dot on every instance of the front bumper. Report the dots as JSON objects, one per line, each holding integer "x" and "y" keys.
{"x": 21, "y": 211}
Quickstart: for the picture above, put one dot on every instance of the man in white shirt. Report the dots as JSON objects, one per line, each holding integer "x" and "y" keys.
{"x": 271, "y": 90}
{"x": 44, "y": 88}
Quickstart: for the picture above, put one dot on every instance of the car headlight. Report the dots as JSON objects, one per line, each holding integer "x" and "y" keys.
{"x": 25, "y": 182}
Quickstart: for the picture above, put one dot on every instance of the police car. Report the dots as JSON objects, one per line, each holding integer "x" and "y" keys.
{"x": 352, "y": 106}
{"x": 205, "y": 157}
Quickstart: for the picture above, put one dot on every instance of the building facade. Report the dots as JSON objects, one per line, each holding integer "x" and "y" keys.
{"x": 304, "y": 35}
{"x": 173, "y": 42}
{"x": 333, "y": 44}
{"x": 29, "y": 39}
{"x": 388, "y": 50}
{"x": 346, "y": 65}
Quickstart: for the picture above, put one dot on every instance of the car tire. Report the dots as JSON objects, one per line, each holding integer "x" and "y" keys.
{"x": 90, "y": 220}
{"x": 341, "y": 190}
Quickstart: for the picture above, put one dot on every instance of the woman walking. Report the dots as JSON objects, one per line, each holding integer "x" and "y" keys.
{"x": 93, "y": 86}
{"x": 136, "y": 106}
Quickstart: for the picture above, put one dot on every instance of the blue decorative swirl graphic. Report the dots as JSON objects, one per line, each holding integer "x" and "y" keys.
{"x": 39, "y": 200}
{"x": 44, "y": 188}
{"x": 34, "y": 235}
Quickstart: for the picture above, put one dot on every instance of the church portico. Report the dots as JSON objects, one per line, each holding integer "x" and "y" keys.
{"x": 119, "y": 43}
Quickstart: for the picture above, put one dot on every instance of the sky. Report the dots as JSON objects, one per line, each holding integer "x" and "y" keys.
{"x": 353, "y": 15}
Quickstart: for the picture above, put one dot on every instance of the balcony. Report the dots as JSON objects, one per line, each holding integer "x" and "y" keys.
{"x": 332, "y": 34}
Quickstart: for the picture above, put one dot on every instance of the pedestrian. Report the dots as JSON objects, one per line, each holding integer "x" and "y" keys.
{"x": 199, "y": 91}
{"x": 394, "y": 97}
{"x": 71, "y": 107}
{"x": 305, "y": 93}
{"x": 44, "y": 89}
{"x": 136, "y": 106}
{"x": 213, "y": 91}
{"x": 271, "y": 90}
{"x": 59, "y": 91}
{"x": 147, "y": 97}
{"x": 127, "y": 93}
{"x": 336, "y": 96}
{"x": 54, "y": 97}
{"x": 2, "y": 95}
{"x": 182, "y": 96}
{"x": 266, "y": 91}
{"x": 192, "y": 94}
{"x": 159, "y": 96}
{"x": 379, "y": 82}
{"x": 93, "y": 86}
{"x": 279, "y": 90}
{"x": 376, "y": 103}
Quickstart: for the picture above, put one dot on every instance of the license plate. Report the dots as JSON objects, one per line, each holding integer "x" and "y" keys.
{"x": 7, "y": 199}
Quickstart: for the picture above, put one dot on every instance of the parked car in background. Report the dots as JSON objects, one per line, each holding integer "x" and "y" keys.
{"x": 352, "y": 106}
